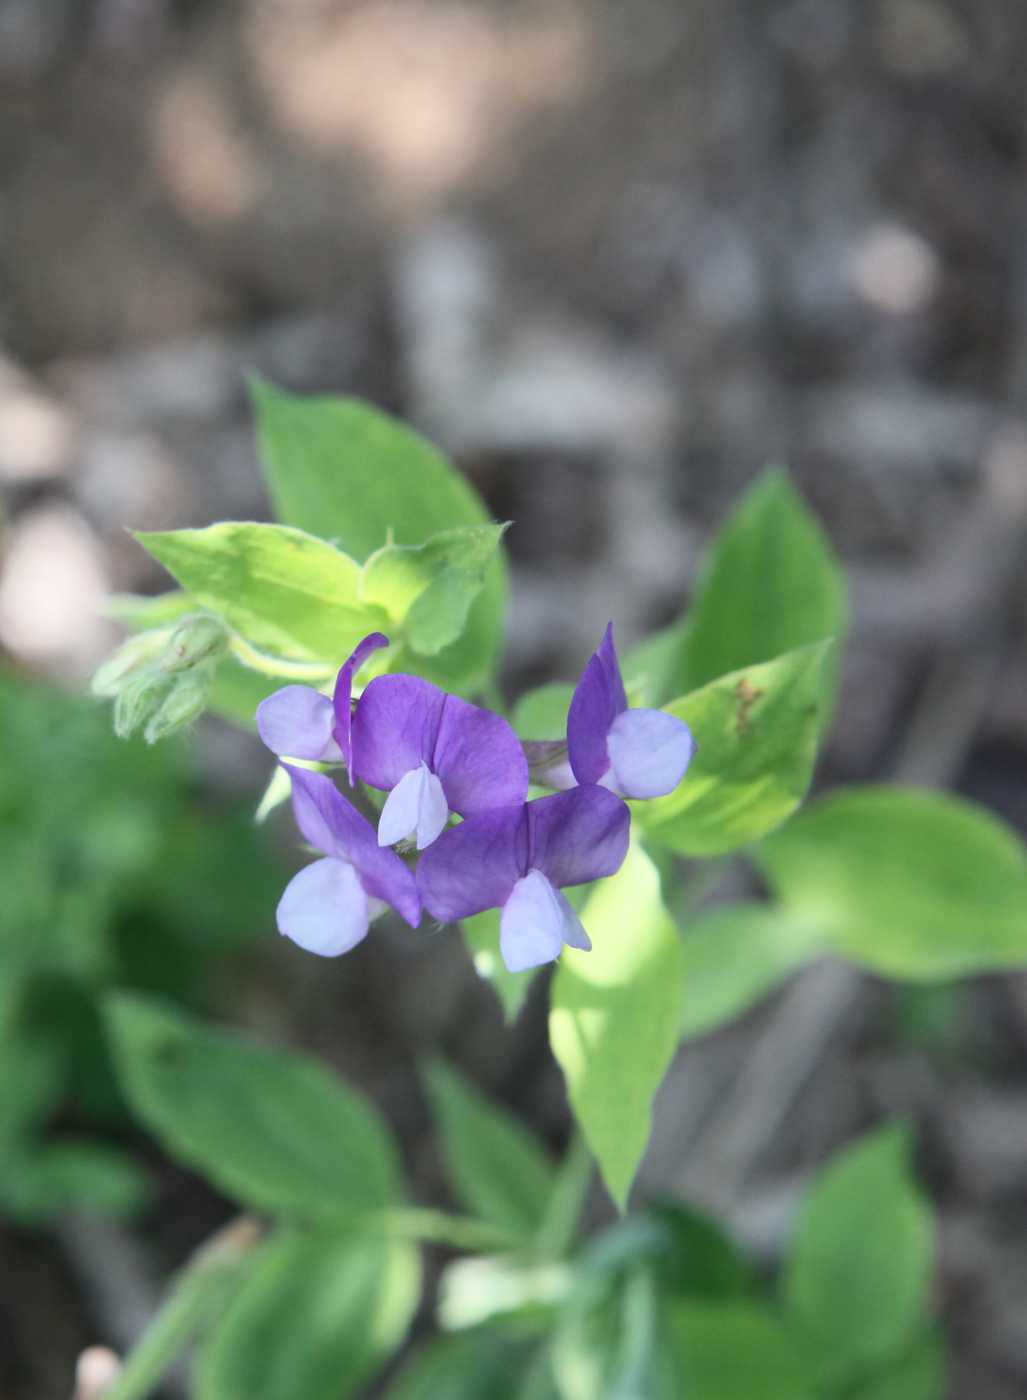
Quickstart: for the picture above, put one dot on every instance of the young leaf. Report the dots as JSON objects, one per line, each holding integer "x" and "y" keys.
{"x": 345, "y": 470}
{"x": 771, "y": 584}
{"x": 736, "y": 1351}
{"x": 734, "y": 956}
{"x": 912, "y": 884}
{"x": 270, "y": 1128}
{"x": 315, "y": 1317}
{"x": 756, "y": 731}
{"x": 481, "y": 933}
{"x": 857, "y": 1283}
{"x": 429, "y": 588}
{"x": 615, "y": 1020}
{"x": 285, "y": 592}
{"x": 499, "y": 1170}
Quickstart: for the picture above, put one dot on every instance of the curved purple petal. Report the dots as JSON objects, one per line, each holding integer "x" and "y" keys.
{"x": 333, "y": 825}
{"x": 475, "y": 865}
{"x": 344, "y": 693}
{"x": 395, "y": 728}
{"x": 324, "y": 908}
{"x": 577, "y": 836}
{"x": 649, "y": 752}
{"x": 478, "y": 758}
{"x": 297, "y": 722}
{"x": 598, "y": 699}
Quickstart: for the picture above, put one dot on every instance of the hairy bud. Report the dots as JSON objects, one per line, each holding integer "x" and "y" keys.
{"x": 197, "y": 638}
{"x": 131, "y": 658}
{"x": 184, "y": 703}
{"x": 139, "y": 700}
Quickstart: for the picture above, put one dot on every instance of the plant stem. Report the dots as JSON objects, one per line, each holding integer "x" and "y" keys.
{"x": 439, "y": 1227}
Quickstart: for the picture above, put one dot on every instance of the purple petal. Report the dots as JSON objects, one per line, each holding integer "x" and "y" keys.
{"x": 395, "y": 728}
{"x": 577, "y": 836}
{"x": 344, "y": 693}
{"x": 475, "y": 865}
{"x": 479, "y": 759}
{"x": 598, "y": 699}
{"x": 333, "y": 825}
{"x": 297, "y": 722}
{"x": 531, "y": 925}
{"x": 649, "y": 752}
{"x": 324, "y": 908}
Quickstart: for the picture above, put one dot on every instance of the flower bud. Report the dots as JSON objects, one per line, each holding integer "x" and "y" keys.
{"x": 185, "y": 702}
{"x": 197, "y": 638}
{"x": 139, "y": 700}
{"x": 132, "y": 657}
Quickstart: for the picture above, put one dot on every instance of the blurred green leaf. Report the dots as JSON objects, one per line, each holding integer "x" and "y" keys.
{"x": 481, "y": 933}
{"x": 735, "y": 956}
{"x": 351, "y": 473}
{"x": 918, "y": 1375}
{"x": 542, "y": 713}
{"x": 315, "y": 1317}
{"x": 609, "y": 1341}
{"x": 694, "y": 1258}
{"x": 287, "y": 593}
{"x": 268, "y": 1127}
{"x": 912, "y": 884}
{"x": 499, "y": 1170}
{"x": 236, "y": 691}
{"x": 651, "y": 669}
{"x": 139, "y": 611}
{"x": 756, "y": 731}
{"x": 487, "y": 1363}
{"x": 39, "y": 1182}
{"x": 857, "y": 1282}
{"x": 615, "y": 1020}
{"x": 736, "y": 1351}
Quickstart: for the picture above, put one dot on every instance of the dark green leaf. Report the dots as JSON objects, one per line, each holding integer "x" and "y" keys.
{"x": 736, "y": 1351}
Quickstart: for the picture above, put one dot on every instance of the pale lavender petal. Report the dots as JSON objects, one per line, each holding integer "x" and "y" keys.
{"x": 574, "y": 934}
{"x": 548, "y": 763}
{"x": 333, "y": 825}
{"x": 531, "y": 926}
{"x": 479, "y": 759}
{"x": 577, "y": 836}
{"x": 416, "y": 805}
{"x": 395, "y": 728}
{"x": 649, "y": 752}
{"x": 341, "y": 700}
{"x": 475, "y": 865}
{"x": 324, "y": 908}
{"x": 598, "y": 699}
{"x": 432, "y": 811}
{"x": 297, "y": 722}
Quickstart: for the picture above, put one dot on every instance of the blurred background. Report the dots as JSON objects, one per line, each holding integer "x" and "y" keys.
{"x": 613, "y": 258}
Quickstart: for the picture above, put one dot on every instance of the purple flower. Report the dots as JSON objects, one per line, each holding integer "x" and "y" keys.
{"x": 517, "y": 859}
{"x": 433, "y": 753}
{"x": 328, "y": 907}
{"x": 299, "y": 722}
{"x": 636, "y": 753}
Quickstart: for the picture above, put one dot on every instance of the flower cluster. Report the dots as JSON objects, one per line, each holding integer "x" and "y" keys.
{"x": 434, "y": 754}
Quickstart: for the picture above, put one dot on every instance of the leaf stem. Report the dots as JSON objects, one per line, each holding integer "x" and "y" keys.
{"x": 439, "y": 1227}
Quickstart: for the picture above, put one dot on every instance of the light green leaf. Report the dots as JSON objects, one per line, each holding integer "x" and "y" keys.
{"x": 912, "y": 884}
{"x": 734, "y": 956}
{"x": 499, "y": 1170}
{"x": 756, "y": 731}
{"x": 140, "y": 611}
{"x": 919, "y": 1375}
{"x": 615, "y": 1020}
{"x": 542, "y": 713}
{"x": 344, "y": 470}
{"x": 270, "y": 1128}
{"x": 481, "y": 933}
{"x": 315, "y": 1317}
{"x": 736, "y": 1351}
{"x": 857, "y": 1283}
{"x": 285, "y": 592}
{"x": 429, "y": 588}
{"x": 770, "y": 584}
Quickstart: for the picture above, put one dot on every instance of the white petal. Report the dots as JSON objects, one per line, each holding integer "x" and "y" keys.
{"x": 416, "y": 805}
{"x": 649, "y": 752}
{"x": 324, "y": 908}
{"x": 573, "y": 929}
{"x": 432, "y": 809}
{"x": 532, "y": 923}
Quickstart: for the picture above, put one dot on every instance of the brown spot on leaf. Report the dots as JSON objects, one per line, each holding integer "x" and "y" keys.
{"x": 747, "y": 696}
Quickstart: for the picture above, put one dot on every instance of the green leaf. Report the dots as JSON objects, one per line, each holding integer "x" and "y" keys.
{"x": 734, "y": 956}
{"x": 542, "y": 713}
{"x": 912, "y": 884}
{"x": 695, "y": 1258}
{"x": 736, "y": 1351}
{"x": 140, "y": 611}
{"x": 499, "y": 1170}
{"x": 286, "y": 593}
{"x": 429, "y": 588}
{"x": 269, "y": 1128}
{"x": 770, "y": 584}
{"x": 73, "y": 1175}
{"x": 315, "y": 1317}
{"x": 345, "y": 470}
{"x": 615, "y": 1020}
{"x": 481, "y": 933}
{"x": 482, "y": 1364}
{"x": 652, "y": 668}
{"x": 918, "y": 1375}
{"x": 857, "y": 1283}
{"x": 756, "y": 731}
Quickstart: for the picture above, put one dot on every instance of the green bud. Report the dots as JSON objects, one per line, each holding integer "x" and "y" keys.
{"x": 197, "y": 638}
{"x": 185, "y": 702}
{"x": 133, "y": 656}
{"x": 138, "y": 701}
